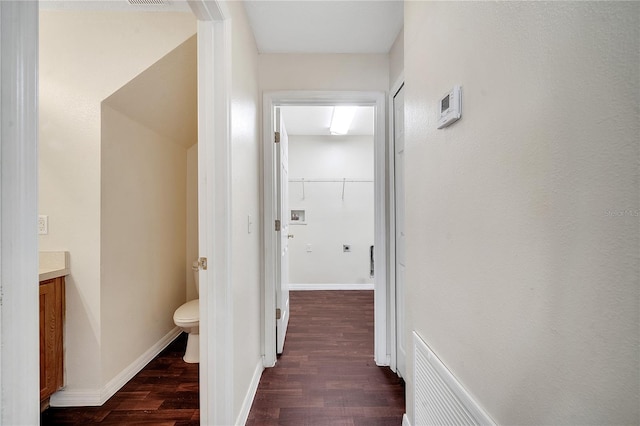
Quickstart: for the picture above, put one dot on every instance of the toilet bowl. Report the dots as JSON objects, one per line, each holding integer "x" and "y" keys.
{"x": 187, "y": 317}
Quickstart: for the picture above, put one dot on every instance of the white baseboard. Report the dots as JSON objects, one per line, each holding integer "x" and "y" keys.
{"x": 299, "y": 287}
{"x": 251, "y": 394}
{"x": 385, "y": 362}
{"x": 76, "y": 398}
{"x": 97, "y": 397}
{"x": 405, "y": 420}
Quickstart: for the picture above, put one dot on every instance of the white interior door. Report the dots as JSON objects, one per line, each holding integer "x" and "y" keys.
{"x": 282, "y": 279}
{"x": 398, "y": 136}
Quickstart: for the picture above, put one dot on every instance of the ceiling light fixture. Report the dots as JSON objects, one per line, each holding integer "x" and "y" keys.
{"x": 341, "y": 120}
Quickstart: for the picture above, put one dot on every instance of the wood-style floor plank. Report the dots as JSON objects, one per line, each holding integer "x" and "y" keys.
{"x": 327, "y": 375}
{"x": 164, "y": 393}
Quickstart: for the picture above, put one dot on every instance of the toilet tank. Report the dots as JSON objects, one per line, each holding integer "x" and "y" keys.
{"x": 195, "y": 267}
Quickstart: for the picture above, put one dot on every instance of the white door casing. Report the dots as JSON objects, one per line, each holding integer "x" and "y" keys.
{"x": 282, "y": 282}
{"x": 19, "y": 342}
{"x": 400, "y": 237}
{"x": 214, "y": 211}
{"x": 382, "y": 345}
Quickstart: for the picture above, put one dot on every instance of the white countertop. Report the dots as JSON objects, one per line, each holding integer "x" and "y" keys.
{"x": 53, "y": 264}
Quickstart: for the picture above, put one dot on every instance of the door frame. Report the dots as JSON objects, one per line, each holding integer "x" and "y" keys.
{"x": 382, "y": 344}
{"x": 214, "y": 220}
{"x": 393, "y": 302}
{"x": 19, "y": 325}
{"x": 19, "y": 381}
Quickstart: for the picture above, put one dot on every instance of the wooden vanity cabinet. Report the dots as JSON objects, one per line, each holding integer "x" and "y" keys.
{"x": 51, "y": 325}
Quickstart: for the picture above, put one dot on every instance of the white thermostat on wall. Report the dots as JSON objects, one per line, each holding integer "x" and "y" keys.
{"x": 450, "y": 107}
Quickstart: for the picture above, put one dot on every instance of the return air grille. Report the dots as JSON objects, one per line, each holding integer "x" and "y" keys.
{"x": 439, "y": 398}
{"x": 147, "y": 2}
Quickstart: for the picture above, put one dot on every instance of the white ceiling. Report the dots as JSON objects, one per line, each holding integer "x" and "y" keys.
{"x": 315, "y": 120}
{"x": 329, "y": 26}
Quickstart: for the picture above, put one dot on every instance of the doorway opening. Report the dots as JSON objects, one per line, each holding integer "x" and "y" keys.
{"x": 331, "y": 202}
{"x": 19, "y": 168}
{"x": 155, "y": 171}
{"x": 327, "y": 219}
{"x": 277, "y": 242}
{"x": 118, "y": 178}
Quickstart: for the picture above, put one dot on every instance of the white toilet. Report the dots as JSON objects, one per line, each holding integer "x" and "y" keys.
{"x": 187, "y": 317}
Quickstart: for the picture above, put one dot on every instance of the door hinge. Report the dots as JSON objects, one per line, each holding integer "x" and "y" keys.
{"x": 278, "y": 224}
{"x": 278, "y": 313}
{"x": 277, "y": 137}
{"x": 202, "y": 263}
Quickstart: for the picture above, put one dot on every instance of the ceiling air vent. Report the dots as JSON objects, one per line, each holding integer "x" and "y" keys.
{"x": 148, "y": 2}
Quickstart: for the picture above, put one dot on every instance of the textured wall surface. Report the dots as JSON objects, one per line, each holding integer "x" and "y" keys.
{"x": 522, "y": 218}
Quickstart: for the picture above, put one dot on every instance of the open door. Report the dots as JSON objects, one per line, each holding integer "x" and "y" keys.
{"x": 398, "y": 140}
{"x": 282, "y": 269}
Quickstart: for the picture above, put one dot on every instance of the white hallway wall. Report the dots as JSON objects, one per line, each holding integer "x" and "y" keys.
{"x": 288, "y": 71}
{"x": 70, "y": 158}
{"x": 522, "y": 218}
{"x": 331, "y": 221}
{"x": 245, "y": 201}
{"x": 396, "y": 59}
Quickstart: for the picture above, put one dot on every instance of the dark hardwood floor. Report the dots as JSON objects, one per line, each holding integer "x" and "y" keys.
{"x": 326, "y": 375}
{"x": 164, "y": 393}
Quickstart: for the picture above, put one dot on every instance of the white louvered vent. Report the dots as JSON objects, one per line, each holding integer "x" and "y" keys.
{"x": 147, "y": 2}
{"x": 439, "y": 398}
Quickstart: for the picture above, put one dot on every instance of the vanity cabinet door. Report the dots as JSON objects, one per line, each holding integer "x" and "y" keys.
{"x": 51, "y": 325}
